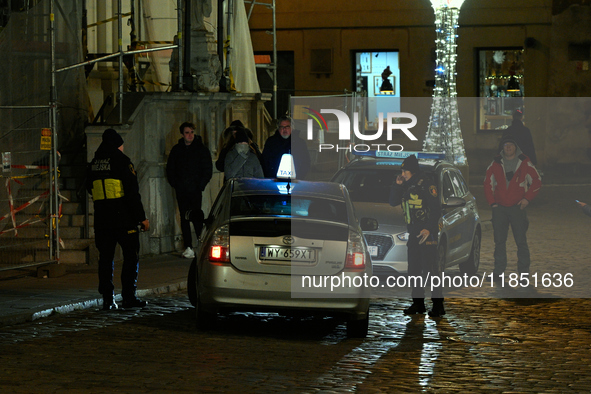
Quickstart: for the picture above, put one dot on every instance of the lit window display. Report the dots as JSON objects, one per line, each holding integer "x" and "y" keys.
{"x": 501, "y": 87}
{"x": 378, "y": 74}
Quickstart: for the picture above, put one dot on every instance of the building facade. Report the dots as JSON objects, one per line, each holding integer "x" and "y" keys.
{"x": 542, "y": 44}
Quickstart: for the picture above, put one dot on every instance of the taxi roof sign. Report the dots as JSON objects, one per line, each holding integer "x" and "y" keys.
{"x": 286, "y": 168}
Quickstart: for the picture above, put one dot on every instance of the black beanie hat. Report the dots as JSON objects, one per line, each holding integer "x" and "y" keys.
{"x": 111, "y": 137}
{"x": 240, "y": 136}
{"x": 410, "y": 164}
{"x": 508, "y": 138}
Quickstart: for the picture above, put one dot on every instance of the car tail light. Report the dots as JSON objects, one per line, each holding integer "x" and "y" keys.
{"x": 355, "y": 251}
{"x": 219, "y": 251}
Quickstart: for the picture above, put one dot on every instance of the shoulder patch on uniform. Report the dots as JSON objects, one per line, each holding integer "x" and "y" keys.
{"x": 132, "y": 169}
{"x": 433, "y": 190}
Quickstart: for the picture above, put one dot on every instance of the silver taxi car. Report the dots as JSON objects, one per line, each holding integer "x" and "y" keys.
{"x": 269, "y": 243}
{"x": 369, "y": 178}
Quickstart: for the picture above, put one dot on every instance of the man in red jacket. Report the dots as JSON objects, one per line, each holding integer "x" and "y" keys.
{"x": 511, "y": 182}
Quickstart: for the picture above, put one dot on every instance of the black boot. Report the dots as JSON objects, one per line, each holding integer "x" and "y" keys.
{"x": 109, "y": 304}
{"x": 418, "y": 306}
{"x": 134, "y": 303}
{"x": 438, "y": 309}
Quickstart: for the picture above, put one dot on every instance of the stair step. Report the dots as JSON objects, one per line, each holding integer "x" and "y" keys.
{"x": 32, "y": 243}
{"x": 76, "y": 220}
{"x": 72, "y": 208}
{"x": 73, "y": 256}
{"x": 72, "y": 195}
{"x": 77, "y": 244}
{"x": 72, "y": 171}
{"x": 40, "y": 232}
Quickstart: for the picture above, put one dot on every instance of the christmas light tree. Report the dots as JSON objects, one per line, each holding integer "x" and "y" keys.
{"x": 443, "y": 132}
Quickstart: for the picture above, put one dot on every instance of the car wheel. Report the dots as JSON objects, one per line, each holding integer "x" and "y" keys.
{"x": 471, "y": 265}
{"x": 441, "y": 251}
{"x": 204, "y": 318}
{"x": 192, "y": 282}
{"x": 358, "y": 328}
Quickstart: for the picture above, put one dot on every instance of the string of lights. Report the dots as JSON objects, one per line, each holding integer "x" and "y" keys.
{"x": 444, "y": 133}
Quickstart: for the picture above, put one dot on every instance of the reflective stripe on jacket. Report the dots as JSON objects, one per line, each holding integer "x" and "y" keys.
{"x": 107, "y": 189}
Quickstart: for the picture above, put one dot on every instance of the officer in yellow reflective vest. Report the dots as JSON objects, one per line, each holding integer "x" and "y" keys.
{"x": 118, "y": 217}
{"x": 417, "y": 193}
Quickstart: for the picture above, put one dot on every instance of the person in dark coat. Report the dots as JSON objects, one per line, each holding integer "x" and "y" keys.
{"x": 521, "y": 135}
{"x": 118, "y": 211}
{"x": 417, "y": 193}
{"x": 227, "y": 143}
{"x": 189, "y": 170}
{"x": 285, "y": 140}
{"x": 242, "y": 161}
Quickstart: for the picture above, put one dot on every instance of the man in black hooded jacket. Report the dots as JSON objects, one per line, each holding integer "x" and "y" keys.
{"x": 188, "y": 170}
{"x": 285, "y": 140}
{"x": 118, "y": 211}
{"x": 522, "y": 136}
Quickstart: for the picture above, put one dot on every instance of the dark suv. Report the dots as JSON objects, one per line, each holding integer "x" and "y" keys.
{"x": 369, "y": 179}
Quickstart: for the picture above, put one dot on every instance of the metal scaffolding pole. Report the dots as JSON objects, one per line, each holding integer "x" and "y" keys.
{"x": 179, "y": 42}
{"x": 271, "y": 68}
{"x": 54, "y": 233}
{"x": 120, "y": 50}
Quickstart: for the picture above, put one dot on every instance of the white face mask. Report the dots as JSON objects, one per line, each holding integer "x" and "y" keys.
{"x": 242, "y": 148}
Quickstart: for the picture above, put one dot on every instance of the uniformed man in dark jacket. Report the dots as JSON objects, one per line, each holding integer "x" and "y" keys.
{"x": 118, "y": 212}
{"x": 417, "y": 193}
{"x": 189, "y": 170}
{"x": 285, "y": 140}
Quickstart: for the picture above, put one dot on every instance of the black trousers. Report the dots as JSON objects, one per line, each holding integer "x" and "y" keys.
{"x": 423, "y": 261}
{"x": 190, "y": 201}
{"x": 106, "y": 240}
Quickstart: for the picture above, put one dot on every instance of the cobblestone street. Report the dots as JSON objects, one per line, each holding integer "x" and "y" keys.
{"x": 483, "y": 344}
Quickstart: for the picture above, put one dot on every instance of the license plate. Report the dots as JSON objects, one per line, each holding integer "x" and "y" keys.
{"x": 373, "y": 250}
{"x": 292, "y": 254}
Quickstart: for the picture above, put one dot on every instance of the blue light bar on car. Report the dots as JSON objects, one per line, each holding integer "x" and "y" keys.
{"x": 384, "y": 154}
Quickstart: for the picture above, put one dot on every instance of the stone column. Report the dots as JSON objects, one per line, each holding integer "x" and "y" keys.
{"x": 205, "y": 68}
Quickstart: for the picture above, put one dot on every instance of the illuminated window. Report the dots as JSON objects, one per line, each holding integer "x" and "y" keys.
{"x": 501, "y": 86}
{"x": 369, "y": 67}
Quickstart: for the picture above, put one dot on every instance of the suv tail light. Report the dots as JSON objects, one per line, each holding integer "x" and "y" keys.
{"x": 355, "y": 251}
{"x": 219, "y": 251}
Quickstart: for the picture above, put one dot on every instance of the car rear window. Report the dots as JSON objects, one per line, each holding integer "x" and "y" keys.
{"x": 289, "y": 205}
{"x": 368, "y": 185}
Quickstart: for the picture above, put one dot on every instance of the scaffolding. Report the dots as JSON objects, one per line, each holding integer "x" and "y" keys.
{"x": 272, "y": 67}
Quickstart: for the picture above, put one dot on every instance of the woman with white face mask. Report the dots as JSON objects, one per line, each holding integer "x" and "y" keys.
{"x": 242, "y": 161}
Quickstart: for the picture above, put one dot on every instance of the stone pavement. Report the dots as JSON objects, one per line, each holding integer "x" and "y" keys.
{"x": 24, "y": 297}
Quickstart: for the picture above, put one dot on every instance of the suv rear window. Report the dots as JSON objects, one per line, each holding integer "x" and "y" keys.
{"x": 368, "y": 185}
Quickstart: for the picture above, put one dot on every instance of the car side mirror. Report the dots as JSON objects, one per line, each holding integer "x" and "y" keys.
{"x": 454, "y": 202}
{"x": 369, "y": 224}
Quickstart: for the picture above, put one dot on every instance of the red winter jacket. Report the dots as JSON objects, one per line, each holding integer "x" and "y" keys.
{"x": 526, "y": 182}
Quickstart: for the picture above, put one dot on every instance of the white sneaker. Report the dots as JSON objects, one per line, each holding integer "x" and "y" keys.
{"x": 189, "y": 253}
